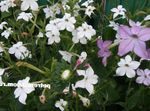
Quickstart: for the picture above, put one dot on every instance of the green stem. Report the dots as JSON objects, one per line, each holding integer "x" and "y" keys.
{"x": 30, "y": 66}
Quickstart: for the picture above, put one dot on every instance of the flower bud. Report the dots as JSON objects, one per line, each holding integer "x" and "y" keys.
{"x": 66, "y": 74}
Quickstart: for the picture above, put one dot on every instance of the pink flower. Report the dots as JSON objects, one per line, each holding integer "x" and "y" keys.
{"x": 133, "y": 39}
{"x": 104, "y": 50}
{"x": 143, "y": 77}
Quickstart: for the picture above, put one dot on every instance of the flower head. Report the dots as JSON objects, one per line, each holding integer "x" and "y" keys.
{"x": 133, "y": 39}
{"x": 89, "y": 10}
{"x": 66, "y": 55}
{"x": 25, "y": 16}
{"x": 143, "y": 77}
{"x": 127, "y": 66}
{"x": 61, "y": 104}
{"x": 104, "y": 50}
{"x": 118, "y": 11}
{"x": 88, "y": 81}
{"x": 26, "y": 4}
{"x": 85, "y": 101}
{"x": 7, "y": 33}
{"x": 24, "y": 88}
{"x": 20, "y": 51}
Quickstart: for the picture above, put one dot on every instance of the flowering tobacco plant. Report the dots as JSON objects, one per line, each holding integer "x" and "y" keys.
{"x": 91, "y": 56}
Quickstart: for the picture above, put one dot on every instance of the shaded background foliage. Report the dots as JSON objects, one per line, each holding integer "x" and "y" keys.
{"x": 112, "y": 93}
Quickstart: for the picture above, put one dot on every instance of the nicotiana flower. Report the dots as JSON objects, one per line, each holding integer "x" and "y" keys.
{"x": 104, "y": 50}
{"x": 52, "y": 37}
{"x": 6, "y": 4}
{"x": 127, "y": 66}
{"x": 143, "y": 77}
{"x": 40, "y": 35}
{"x": 81, "y": 59}
{"x": 20, "y": 51}
{"x": 61, "y": 104}
{"x": 66, "y": 74}
{"x": 51, "y": 11}
{"x": 26, "y": 4}
{"x": 25, "y": 16}
{"x": 147, "y": 17}
{"x": 82, "y": 33}
{"x": 2, "y": 25}
{"x": 88, "y": 81}
{"x": 133, "y": 39}
{"x": 53, "y": 26}
{"x": 23, "y": 88}
{"x": 132, "y": 23}
{"x": 114, "y": 25}
{"x": 85, "y": 101}
{"x": 66, "y": 55}
{"x": 89, "y": 10}
{"x": 86, "y": 3}
{"x": 67, "y": 22}
{"x": 118, "y": 11}
{"x": 7, "y": 33}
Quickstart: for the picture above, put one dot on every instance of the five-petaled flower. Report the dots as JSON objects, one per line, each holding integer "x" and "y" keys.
{"x": 88, "y": 81}
{"x": 127, "y": 66}
{"x": 61, "y": 104}
{"x": 24, "y": 88}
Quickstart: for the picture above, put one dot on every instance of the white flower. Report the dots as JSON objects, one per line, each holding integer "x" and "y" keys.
{"x": 127, "y": 66}
{"x": 118, "y": 11}
{"x": 114, "y": 25}
{"x": 6, "y": 4}
{"x": 66, "y": 55}
{"x": 147, "y": 17}
{"x": 132, "y": 23}
{"x": 20, "y": 51}
{"x": 25, "y": 16}
{"x": 67, "y": 22}
{"x": 82, "y": 57}
{"x": 89, "y": 10}
{"x": 85, "y": 101}
{"x": 66, "y": 74}
{"x": 2, "y": 71}
{"x": 52, "y": 37}
{"x": 86, "y": 3}
{"x": 26, "y": 4}
{"x": 51, "y": 11}
{"x": 53, "y": 26}
{"x": 2, "y": 25}
{"x": 82, "y": 33}
{"x": 40, "y": 35}
{"x": 88, "y": 81}
{"x": 7, "y": 33}
{"x": 24, "y": 88}
{"x": 61, "y": 104}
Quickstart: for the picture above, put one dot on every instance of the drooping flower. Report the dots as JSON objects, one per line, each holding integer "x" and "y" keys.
{"x": 85, "y": 101}
{"x": 127, "y": 66}
{"x": 88, "y": 81}
{"x": 25, "y": 16}
{"x": 51, "y": 11}
{"x": 2, "y": 25}
{"x": 147, "y": 17}
{"x": 24, "y": 88}
{"x": 67, "y": 22}
{"x": 133, "y": 39}
{"x": 81, "y": 59}
{"x": 66, "y": 55}
{"x": 89, "y": 10}
{"x": 118, "y": 11}
{"x": 20, "y": 51}
{"x": 26, "y": 4}
{"x": 143, "y": 77}
{"x": 104, "y": 50}
{"x": 86, "y": 3}
{"x": 114, "y": 25}
{"x": 7, "y": 33}
{"x": 61, "y": 104}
